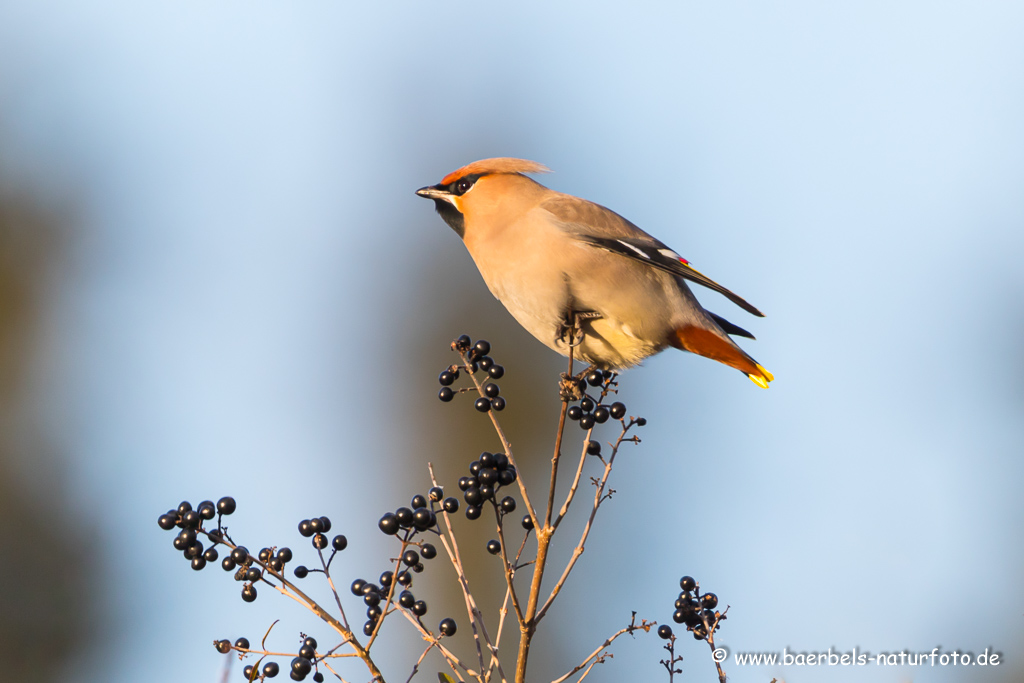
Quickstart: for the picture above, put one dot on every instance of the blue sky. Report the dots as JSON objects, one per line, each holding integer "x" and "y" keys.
{"x": 243, "y": 174}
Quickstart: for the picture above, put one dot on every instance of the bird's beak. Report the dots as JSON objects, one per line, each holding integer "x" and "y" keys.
{"x": 435, "y": 192}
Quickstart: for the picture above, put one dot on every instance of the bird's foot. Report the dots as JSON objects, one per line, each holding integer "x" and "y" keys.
{"x": 570, "y": 329}
{"x": 570, "y": 388}
{"x": 574, "y": 387}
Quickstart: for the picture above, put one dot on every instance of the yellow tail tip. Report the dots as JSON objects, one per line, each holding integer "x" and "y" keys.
{"x": 762, "y": 379}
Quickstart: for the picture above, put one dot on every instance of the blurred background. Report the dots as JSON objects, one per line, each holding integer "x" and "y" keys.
{"x": 215, "y": 279}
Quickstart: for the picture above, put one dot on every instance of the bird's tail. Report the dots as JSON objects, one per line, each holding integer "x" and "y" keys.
{"x": 718, "y": 347}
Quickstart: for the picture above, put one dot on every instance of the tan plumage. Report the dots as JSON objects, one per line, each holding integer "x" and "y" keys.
{"x": 547, "y": 255}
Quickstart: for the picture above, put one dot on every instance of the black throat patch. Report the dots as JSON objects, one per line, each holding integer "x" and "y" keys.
{"x": 451, "y": 216}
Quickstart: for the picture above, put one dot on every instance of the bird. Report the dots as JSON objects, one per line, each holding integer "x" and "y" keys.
{"x": 579, "y": 276}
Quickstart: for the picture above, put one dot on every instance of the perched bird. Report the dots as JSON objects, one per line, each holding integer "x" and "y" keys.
{"x": 553, "y": 259}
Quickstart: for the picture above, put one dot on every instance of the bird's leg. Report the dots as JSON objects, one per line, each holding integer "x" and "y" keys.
{"x": 572, "y": 387}
{"x": 570, "y": 326}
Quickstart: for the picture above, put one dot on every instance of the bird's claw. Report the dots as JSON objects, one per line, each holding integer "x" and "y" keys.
{"x": 574, "y": 387}
{"x": 571, "y": 327}
{"x": 570, "y": 388}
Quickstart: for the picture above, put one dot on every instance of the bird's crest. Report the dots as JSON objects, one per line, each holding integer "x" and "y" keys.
{"x": 496, "y": 165}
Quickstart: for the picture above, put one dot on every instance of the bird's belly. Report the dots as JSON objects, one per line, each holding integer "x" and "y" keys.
{"x": 613, "y": 344}
{"x": 633, "y": 308}
{"x": 607, "y": 341}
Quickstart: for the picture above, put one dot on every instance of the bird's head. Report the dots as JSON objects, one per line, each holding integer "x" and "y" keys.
{"x": 481, "y": 187}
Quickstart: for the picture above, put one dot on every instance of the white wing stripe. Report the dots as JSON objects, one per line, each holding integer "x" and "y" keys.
{"x": 636, "y": 249}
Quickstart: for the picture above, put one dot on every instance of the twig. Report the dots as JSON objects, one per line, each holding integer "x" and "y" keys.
{"x": 476, "y": 618}
{"x": 509, "y": 570}
{"x": 599, "y": 497}
{"x": 575, "y": 481}
{"x": 330, "y": 582}
{"x": 544, "y": 534}
{"x": 644, "y": 626}
{"x": 711, "y": 640}
{"x": 416, "y": 666}
{"x": 454, "y": 663}
{"x": 504, "y": 608}
{"x": 505, "y": 444}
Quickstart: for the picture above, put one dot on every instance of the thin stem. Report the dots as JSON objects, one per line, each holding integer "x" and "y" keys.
{"x": 416, "y": 666}
{"x": 711, "y": 641}
{"x": 391, "y": 593}
{"x": 504, "y": 607}
{"x": 544, "y": 534}
{"x": 268, "y": 653}
{"x": 505, "y": 444}
{"x": 575, "y": 481}
{"x": 509, "y": 571}
{"x": 557, "y": 455}
{"x": 454, "y": 663}
{"x": 337, "y": 597}
{"x": 597, "y": 652}
{"x": 476, "y": 618}
{"x": 336, "y": 674}
{"x": 599, "y": 497}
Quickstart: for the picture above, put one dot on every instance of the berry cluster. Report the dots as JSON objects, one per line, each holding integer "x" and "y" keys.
{"x": 486, "y": 477}
{"x": 589, "y": 412}
{"x": 476, "y": 359}
{"x": 190, "y": 522}
{"x": 420, "y": 517}
{"x": 694, "y": 609}
{"x": 301, "y": 665}
{"x": 316, "y": 529}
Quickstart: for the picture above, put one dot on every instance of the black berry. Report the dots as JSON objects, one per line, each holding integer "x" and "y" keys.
{"x": 388, "y": 524}
{"x": 447, "y": 627}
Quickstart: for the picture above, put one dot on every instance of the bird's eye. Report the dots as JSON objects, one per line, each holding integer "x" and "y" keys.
{"x": 463, "y": 186}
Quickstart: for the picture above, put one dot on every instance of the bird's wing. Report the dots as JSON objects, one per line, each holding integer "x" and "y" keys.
{"x": 603, "y": 228}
